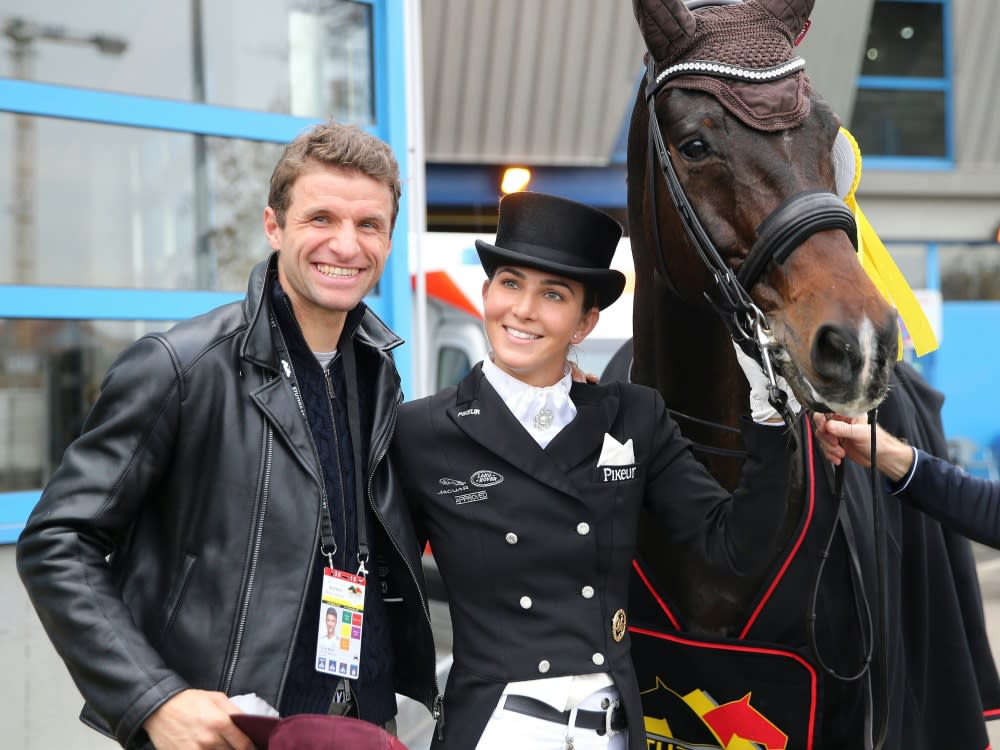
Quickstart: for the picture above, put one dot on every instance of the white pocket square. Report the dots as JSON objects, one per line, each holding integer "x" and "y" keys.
{"x": 616, "y": 454}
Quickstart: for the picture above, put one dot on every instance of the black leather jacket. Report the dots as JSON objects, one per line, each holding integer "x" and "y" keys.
{"x": 173, "y": 544}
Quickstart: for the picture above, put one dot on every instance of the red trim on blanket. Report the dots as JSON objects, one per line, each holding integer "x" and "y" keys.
{"x": 751, "y": 649}
{"x": 798, "y": 542}
{"x": 663, "y": 605}
{"x": 992, "y": 713}
{"x": 788, "y": 561}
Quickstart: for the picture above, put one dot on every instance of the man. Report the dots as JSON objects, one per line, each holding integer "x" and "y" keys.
{"x": 331, "y": 626}
{"x": 968, "y": 504}
{"x": 231, "y": 483}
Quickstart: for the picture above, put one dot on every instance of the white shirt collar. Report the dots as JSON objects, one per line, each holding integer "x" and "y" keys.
{"x": 526, "y": 401}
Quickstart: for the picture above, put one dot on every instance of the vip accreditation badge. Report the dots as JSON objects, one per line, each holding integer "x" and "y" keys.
{"x": 341, "y": 613}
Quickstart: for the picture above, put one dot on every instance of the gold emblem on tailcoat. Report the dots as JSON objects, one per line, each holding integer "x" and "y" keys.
{"x": 618, "y": 625}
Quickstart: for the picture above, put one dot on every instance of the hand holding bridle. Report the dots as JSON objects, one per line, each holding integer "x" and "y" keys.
{"x": 843, "y": 437}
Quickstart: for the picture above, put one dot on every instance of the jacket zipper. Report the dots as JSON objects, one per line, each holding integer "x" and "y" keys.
{"x": 254, "y": 556}
{"x": 256, "y": 553}
{"x": 437, "y": 709}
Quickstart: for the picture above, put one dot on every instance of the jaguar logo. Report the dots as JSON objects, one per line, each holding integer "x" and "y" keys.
{"x": 485, "y": 478}
{"x": 452, "y": 482}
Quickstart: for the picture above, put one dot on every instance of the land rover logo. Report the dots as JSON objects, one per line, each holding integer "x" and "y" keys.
{"x": 485, "y": 478}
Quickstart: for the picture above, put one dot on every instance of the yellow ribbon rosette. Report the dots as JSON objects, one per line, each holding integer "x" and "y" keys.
{"x": 875, "y": 259}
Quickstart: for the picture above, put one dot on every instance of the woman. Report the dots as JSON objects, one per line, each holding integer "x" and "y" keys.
{"x": 529, "y": 487}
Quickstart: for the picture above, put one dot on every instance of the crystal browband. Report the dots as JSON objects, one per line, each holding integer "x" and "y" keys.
{"x": 724, "y": 70}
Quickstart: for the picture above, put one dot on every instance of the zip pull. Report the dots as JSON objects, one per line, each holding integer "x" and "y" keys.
{"x": 438, "y": 713}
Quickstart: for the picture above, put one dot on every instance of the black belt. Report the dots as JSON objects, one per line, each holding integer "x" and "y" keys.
{"x": 599, "y": 721}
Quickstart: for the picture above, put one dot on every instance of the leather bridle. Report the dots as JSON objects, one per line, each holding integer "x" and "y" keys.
{"x": 780, "y": 233}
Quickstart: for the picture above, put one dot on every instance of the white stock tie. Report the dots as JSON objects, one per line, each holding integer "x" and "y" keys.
{"x": 542, "y": 411}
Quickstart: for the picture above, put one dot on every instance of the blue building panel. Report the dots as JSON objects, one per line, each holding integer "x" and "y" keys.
{"x": 966, "y": 371}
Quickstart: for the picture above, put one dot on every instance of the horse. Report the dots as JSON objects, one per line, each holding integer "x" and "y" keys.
{"x": 739, "y": 233}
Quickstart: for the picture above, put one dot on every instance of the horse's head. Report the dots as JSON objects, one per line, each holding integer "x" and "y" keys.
{"x": 746, "y": 144}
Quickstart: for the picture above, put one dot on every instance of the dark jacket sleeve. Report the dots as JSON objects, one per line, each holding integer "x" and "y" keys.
{"x": 83, "y": 517}
{"x": 968, "y": 504}
{"x": 734, "y": 532}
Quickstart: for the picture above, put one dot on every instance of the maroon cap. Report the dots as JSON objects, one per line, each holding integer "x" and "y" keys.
{"x": 315, "y": 732}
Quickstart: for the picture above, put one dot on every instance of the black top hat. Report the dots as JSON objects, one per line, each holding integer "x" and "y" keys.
{"x": 558, "y": 235}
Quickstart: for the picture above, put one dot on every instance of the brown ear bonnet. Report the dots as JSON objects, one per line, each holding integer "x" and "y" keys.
{"x": 751, "y": 34}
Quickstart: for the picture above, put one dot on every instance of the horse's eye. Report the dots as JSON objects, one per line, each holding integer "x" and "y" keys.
{"x": 694, "y": 150}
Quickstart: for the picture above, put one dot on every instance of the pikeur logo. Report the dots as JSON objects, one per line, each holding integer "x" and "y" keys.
{"x": 615, "y": 474}
{"x": 469, "y": 412}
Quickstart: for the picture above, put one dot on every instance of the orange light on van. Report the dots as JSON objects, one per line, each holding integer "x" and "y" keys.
{"x": 515, "y": 179}
{"x": 441, "y": 286}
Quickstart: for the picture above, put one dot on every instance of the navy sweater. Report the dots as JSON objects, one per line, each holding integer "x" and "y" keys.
{"x": 306, "y": 690}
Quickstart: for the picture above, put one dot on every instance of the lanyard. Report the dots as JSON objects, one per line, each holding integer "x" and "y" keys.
{"x": 328, "y": 541}
{"x": 346, "y": 348}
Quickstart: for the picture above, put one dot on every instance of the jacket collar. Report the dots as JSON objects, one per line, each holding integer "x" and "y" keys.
{"x": 497, "y": 430}
{"x": 258, "y": 346}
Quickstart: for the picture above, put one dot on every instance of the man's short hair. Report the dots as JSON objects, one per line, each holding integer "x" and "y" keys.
{"x": 331, "y": 611}
{"x": 333, "y": 144}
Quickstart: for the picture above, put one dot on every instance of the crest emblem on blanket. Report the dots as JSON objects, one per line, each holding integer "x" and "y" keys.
{"x": 696, "y": 720}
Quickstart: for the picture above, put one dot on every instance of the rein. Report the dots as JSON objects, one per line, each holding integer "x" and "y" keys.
{"x": 862, "y": 606}
{"x": 710, "y": 449}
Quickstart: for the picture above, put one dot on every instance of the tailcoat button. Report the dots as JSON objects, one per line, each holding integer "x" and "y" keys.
{"x": 588, "y": 592}
{"x": 511, "y": 537}
{"x": 598, "y": 659}
{"x": 543, "y": 666}
{"x": 583, "y": 528}
{"x": 526, "y": 602}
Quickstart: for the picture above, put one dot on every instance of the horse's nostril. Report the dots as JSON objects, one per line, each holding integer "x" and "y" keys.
{"x": 836, "y": 354}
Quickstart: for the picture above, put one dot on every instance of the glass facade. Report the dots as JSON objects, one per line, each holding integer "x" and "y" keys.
{"x": 905, "y": 39}
{"x": 902, "y": 107}
{"x": 50, "y": 375}
{"x": 900, "y": 122}
{"x": 311, "y": 58}
{"x": 105, "y": 206}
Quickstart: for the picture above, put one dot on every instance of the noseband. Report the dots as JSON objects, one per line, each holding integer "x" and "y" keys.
{"x": 784, "y": 229}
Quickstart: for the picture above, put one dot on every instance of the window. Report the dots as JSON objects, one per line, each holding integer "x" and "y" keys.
{"x": 453, "y": 365}
{"x": 129, "y": 207}
{"x": 310, "y": 58}
{"x": 50, "y": 375}
{"x": 330, "y": 48}
{"x": 902, "y": 111}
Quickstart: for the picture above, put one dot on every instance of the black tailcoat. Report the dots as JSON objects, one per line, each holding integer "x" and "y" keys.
{"x": 535, "y": 546}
